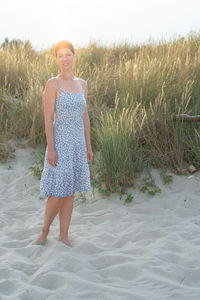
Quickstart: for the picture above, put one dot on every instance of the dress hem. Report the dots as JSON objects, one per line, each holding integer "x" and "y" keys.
{"x": 76, "y": 190}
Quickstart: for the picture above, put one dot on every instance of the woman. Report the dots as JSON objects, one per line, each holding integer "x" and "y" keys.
{"x": 68, "y": 150}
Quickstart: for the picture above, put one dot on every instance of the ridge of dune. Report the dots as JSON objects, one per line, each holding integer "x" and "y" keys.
{"x": 147, "y": 249}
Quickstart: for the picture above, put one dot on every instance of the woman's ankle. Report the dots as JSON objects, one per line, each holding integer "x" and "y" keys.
{"x": 45, "y": 230}
{"x": 63, "y": 235}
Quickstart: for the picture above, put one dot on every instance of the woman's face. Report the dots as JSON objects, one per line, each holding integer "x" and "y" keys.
{"x": 65, "y": 58}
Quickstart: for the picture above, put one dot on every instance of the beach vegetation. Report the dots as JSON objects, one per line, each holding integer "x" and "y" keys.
{"x": 133, "y": 93}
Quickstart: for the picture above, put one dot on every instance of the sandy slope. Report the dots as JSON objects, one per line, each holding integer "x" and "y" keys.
{"x": 148, "y": 249}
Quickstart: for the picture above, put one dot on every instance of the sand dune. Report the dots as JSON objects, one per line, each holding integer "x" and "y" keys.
{"x": 147, "y": 249}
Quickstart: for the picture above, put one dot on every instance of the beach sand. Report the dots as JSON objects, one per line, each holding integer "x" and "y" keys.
{"x": 146, "y": 249}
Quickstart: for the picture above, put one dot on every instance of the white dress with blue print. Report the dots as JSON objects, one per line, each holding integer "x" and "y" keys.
{"x": 71, "y": 172}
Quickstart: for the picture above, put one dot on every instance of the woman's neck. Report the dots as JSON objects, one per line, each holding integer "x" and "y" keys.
{"x": 67, "y": 75}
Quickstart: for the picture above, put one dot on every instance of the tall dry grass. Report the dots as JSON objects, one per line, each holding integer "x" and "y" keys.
{"x": 133, "y": 91}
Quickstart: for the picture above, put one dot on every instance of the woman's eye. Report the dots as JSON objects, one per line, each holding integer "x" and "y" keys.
{"x": 64, "y": 56}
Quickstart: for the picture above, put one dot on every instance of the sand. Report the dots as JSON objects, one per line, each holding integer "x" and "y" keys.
{"x": 146, "y": 249}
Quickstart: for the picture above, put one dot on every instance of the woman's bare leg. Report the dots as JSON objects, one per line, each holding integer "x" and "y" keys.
{"x": 52, "y": 207}
{"x": 65, "y": 214}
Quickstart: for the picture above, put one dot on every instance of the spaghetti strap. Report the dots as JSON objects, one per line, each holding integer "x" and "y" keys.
{"x": 82, "y": 83}
{"x": 58, "y": 81}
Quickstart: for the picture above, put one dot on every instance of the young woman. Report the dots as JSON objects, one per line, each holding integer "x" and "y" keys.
{"x": 68, "y": 150}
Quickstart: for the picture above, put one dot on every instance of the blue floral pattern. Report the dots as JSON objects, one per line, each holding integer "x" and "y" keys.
{"x": 71, "y": 172}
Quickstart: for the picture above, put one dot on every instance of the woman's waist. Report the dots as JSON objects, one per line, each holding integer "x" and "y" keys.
{"x": 68, "y": 123}
{"x": 68, "y": 119}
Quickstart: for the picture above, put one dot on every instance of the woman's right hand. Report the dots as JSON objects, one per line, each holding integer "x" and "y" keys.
{"x": 52, "y": 157}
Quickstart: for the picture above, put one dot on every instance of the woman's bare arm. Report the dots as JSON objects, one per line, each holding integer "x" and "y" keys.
{"x": 48, "y": 104}
{"x": 87, "y": 122}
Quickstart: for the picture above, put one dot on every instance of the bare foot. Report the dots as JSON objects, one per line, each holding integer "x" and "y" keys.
{"x": 65, "y": 241}
{"x": 42, "y": 237}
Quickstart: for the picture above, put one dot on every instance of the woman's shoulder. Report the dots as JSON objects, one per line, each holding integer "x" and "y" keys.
{"x": 83, "y": 82}
{"x": 52, "y": 79}
{"x": 79, "y": 78}
{"x": 51, "y": 82}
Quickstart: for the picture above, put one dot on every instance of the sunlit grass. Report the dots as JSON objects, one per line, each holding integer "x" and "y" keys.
{"x": 133, "y": 91}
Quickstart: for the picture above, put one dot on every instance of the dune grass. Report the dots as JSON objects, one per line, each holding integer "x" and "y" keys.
{"x": 133, "y": 91}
